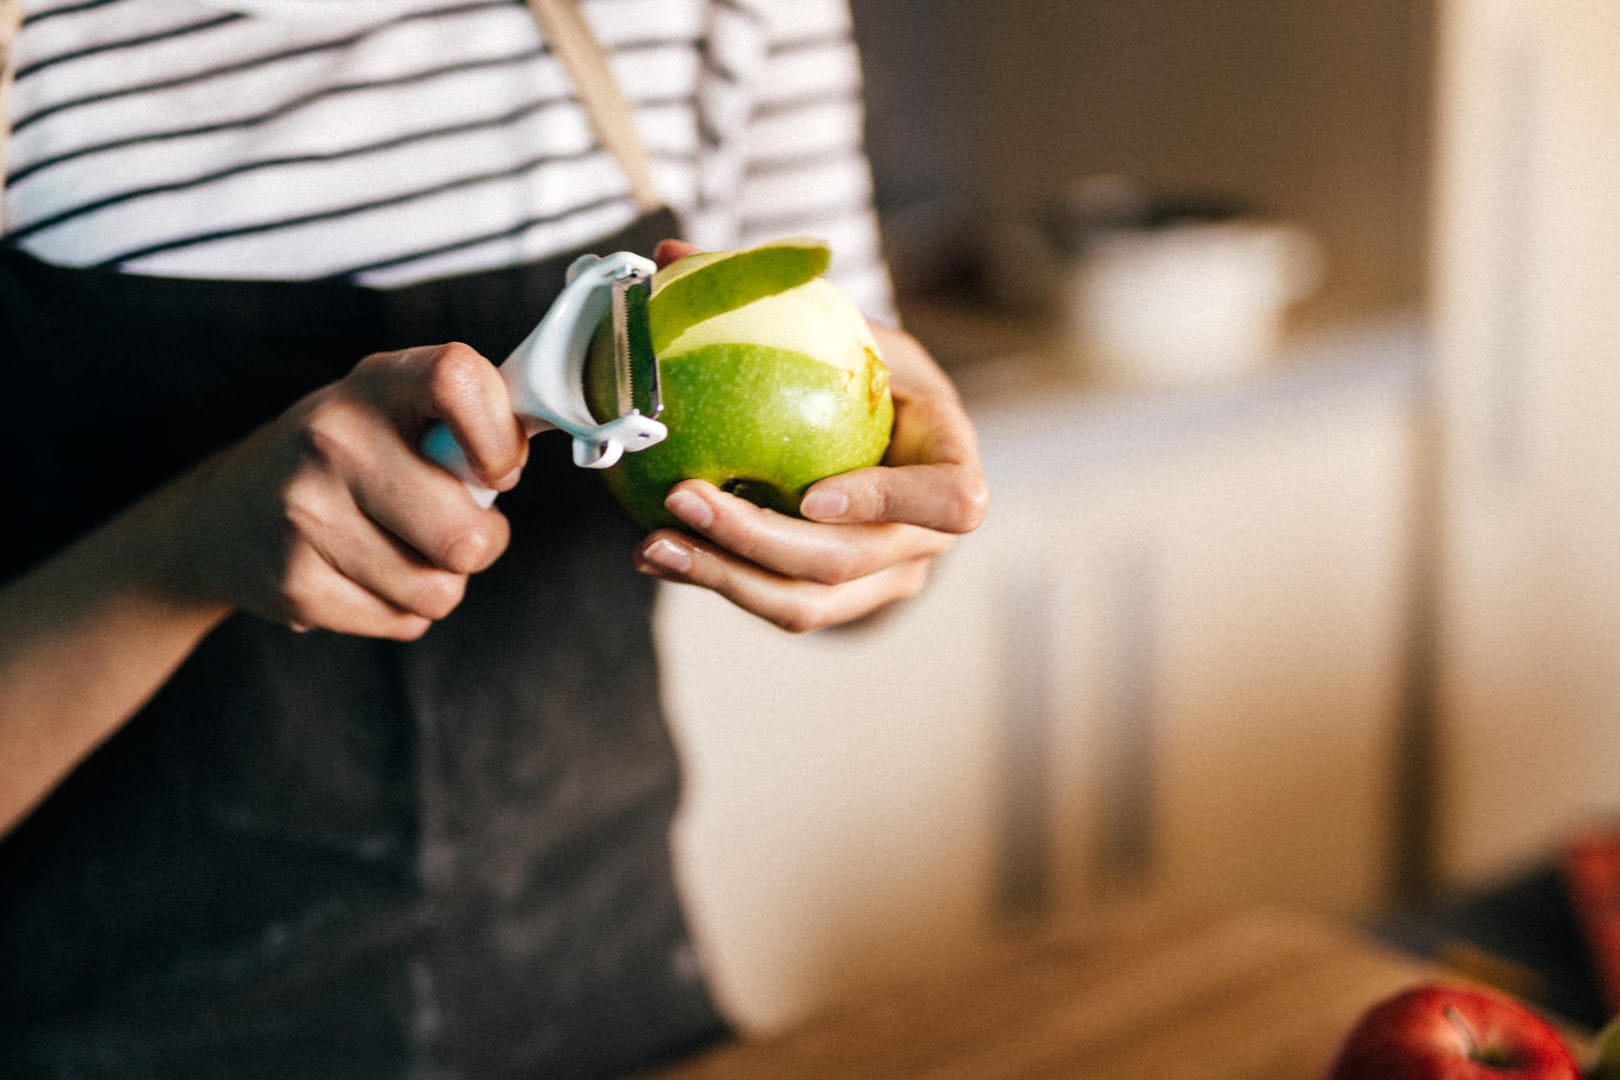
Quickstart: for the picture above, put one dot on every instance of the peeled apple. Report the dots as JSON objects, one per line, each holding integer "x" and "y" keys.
{"x": 762, "y": 397}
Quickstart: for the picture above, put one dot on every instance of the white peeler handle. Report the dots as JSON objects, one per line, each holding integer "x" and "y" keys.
{"x": 545, "y": 376}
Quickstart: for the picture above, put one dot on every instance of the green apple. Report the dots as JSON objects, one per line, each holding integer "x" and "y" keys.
{"x": 761, "y": 399}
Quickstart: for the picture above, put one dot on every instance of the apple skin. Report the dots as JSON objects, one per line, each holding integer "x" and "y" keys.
{"x": 761, "y": 401}
{"x": 1440, "y": 1031}
{"x": 709, "y": 283}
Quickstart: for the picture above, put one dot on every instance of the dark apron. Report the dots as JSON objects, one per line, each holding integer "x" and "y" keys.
{"x": 315, "y": 855}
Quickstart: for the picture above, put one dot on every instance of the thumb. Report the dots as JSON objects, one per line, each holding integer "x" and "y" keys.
{"x": 670, "y": 250}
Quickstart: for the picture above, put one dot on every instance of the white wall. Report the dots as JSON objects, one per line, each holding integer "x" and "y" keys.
{"x": 1527, "y": 279}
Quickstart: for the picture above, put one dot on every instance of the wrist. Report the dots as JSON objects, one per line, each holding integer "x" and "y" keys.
{"x": 161, "y": 551}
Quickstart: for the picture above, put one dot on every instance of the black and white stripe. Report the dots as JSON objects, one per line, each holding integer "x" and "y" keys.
{"x": 390, "y": 141}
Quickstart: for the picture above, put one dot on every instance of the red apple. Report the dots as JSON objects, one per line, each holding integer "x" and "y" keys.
{"x": 1440, "y": 1031}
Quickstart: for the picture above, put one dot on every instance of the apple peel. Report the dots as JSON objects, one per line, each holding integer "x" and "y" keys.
{"x": 699, "y": 287}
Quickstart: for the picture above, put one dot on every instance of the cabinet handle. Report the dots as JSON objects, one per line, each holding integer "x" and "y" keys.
{"x": 1130, "y": 727}
{"x": 1024, "y": 880}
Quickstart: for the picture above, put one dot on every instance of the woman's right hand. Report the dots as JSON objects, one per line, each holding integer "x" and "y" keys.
{"x": 330, "y": 518}
{"x": 325, "y": 517}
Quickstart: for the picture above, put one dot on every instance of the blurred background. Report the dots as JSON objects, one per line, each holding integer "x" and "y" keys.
{"x": 1290, "y": 327}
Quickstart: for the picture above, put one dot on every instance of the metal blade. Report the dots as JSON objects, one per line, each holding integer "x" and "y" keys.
{"x": 635, "y": 363}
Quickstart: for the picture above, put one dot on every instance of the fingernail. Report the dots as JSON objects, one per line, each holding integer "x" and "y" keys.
{"x": 509, "y": 481}
{"x": 824, "y": 505}
{"x": 668, "y": 555}
{"x": 690, "y": 508}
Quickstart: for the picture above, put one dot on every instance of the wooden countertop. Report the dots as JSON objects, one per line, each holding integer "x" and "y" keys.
{"x": 1129, "y": 996}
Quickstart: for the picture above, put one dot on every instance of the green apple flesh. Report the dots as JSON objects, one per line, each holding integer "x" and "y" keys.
{"x": 762, "y": 400}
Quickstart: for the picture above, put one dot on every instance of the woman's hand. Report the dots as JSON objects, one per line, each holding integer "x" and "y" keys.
{"x": 325, "y": 517}
{"x": 867, "y": 539}
{"x": 329, "y": 517}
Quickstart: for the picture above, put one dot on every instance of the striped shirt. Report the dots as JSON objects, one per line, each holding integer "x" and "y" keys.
{"x": 392, "y": 141}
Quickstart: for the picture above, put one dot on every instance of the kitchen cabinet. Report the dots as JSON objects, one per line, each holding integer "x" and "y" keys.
{"x": 1526, "y": 271}
{"x": 1341, "y": 632}
{"x": 841, "y": 813}
{"x": 1170, "y": 665}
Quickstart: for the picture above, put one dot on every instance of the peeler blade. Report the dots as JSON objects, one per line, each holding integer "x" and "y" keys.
{"x": 635, "y": 363}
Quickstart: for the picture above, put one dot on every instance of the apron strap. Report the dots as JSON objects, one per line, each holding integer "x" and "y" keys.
{"x": 11, "y": 17}
{"x": 563, "y": 25}
{"x": 610, "y": 114}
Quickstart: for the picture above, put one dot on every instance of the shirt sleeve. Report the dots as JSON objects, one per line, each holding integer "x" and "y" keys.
{"x": 802, "y": 167}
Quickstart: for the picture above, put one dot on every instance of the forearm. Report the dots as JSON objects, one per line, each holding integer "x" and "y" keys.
{"x": 85, "y": 639}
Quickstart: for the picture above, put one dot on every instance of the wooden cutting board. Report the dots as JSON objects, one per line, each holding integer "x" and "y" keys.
{"x": 1129, "y": 996}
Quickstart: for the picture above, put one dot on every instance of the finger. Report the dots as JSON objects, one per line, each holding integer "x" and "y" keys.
{"x": 326, "y": 520}
{"x": 912, "y": 369}
{"x": 949, "y": 497}
{"x": 932, "y": 431}
{"x": 385, "y": 569}
{"x": 430, "y": 512}
{"x": 456, "y": 384}
{"x": 828, "y": 554}
{"x": 795, "y": 605}
{"x": 353, "y": 448}
{"x": 669, "y": 251}
{"x": 315, "y": 595}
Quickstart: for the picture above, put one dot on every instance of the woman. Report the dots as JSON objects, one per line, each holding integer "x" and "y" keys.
{"x": 309, "y": 766}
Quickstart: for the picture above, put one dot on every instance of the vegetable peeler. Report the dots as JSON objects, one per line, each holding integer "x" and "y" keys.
{"x": 545, "y": 374}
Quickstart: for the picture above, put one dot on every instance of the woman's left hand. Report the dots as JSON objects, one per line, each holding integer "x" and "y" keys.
{"x": 867, "y": 538}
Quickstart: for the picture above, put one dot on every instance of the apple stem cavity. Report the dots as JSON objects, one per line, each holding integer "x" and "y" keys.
{"x": 759, "y": 492}
{"x": 1492, "y": 1057}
